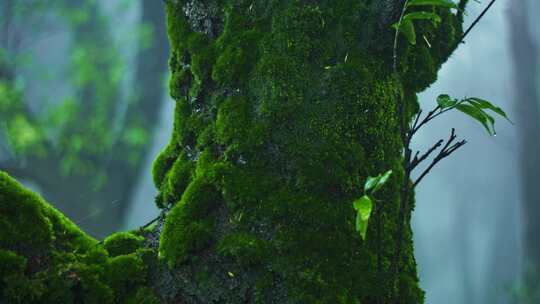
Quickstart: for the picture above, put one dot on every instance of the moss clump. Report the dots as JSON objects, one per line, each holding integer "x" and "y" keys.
{"x": 29, "y": 226}
{"x": 177, "y": 179}
{"x": 12, "y": 266}
{"x": 245, "y": 248}
{"x": 236, "y": 60}
{"x": 122, "y": 243}
{"x": 45, "y": 258}
{"x": 188, "y": 227}
{"x": 124, "y": 273}
{"x": 144, "y": 295}
{"x": 233, "y": 124}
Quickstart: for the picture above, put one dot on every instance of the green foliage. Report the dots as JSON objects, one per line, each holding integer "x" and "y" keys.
{"x": 443, "y": 3}
{"x": 406, "y": 26}
{"x": 475, "y": 108}
{"x": 373, "y": 184}
{"x": 364, "y": 205}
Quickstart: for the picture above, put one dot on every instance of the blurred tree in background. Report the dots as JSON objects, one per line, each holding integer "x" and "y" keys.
{"x": 83, "y": 149}
{"x": 526, "y": 76}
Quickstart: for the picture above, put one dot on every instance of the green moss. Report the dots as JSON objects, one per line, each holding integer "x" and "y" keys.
{"x": 177, "y": 26}
{"x": 300, "y": 108}
{"x": 233, "y": 122}
{"x": 51, "y": 261}
{"x": 236, "y": 60}
{"x": 124, "y": 273}
{"x": 12, "y": 267}
{"x": 189, "y": 226}
{"x": 19, "y": 207}
{"x": 11, "y": 263}
{"x": 19, "y": 289}
{"x": 245, "y": 248}
{"x": 144, "y": 295}
{"x": 178, "y": 178}
{"x": 122, "y": 243}
{"x": 162, "y": 164}
{"x": 202, "y": 57}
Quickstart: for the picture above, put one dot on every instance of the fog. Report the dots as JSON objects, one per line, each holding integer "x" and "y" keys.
{"x": 467, "y": 219}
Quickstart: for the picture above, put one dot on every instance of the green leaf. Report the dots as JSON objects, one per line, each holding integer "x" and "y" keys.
{"x": 478, "y": 115}
{"x": 375, "y": 183}
{"x": 422, "y": 16}
{"x": 484, "y": 104}
{"x": 363, "y": 207}
{"x": 445, "y": 101}
{"x": 407, "y": 29}
{"x": 444, "y": 3}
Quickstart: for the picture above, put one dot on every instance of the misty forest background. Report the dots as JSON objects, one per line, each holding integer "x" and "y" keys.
{"x": 84, "y": 110}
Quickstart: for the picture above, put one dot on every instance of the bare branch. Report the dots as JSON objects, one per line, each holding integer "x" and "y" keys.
{"x": 432, "y": 114}
{"x": 446, "y": 151}
{"x": 475, "y": 22}
{"x": 417, "y": 160}
{"x": 416, "y": 119}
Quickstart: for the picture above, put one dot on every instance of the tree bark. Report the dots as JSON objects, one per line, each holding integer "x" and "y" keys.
{"x": 283, "y": 110}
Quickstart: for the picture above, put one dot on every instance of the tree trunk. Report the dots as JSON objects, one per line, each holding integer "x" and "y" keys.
{"x": 283, "y": 109}
{"x": 527, "y": 103}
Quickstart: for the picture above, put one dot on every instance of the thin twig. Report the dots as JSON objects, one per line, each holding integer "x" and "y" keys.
{"x": 150, "y": 223}
{"x": 417, "y": 160}
{"x": 445, "y": 152}
{"x": 475, "y": 22}
{"x": 162, "y": 214}
{"x": 416, "y": 119}
{"x": 432, "y": 114}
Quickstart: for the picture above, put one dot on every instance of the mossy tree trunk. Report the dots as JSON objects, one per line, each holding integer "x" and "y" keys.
{"x": 283, "y": 109}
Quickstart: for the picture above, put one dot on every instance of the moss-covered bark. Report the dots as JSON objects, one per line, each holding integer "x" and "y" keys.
{"x": 283, "y": 109}
{"x": 45, "y": 258}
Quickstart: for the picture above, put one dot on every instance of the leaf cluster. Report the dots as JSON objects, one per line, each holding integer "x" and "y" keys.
{"x": 405, "y": 25}
{"x": 476, "y": 108}
{"x": 364, "y": 205}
